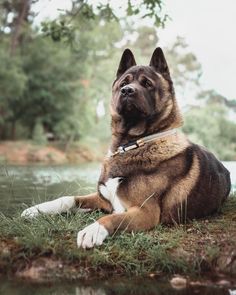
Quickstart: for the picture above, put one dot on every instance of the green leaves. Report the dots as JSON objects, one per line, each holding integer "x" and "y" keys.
{"x": 59, "y": 31}
{"x": 65, "y": 28}
{"x": 211, "y": 127}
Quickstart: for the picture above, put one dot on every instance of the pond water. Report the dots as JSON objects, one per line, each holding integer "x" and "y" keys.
{"x": 231, "y": 166}
{"x": 120, "y": 287}
{"x": 20, "y": 186}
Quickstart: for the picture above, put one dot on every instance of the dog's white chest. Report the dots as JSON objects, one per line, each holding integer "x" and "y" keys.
{"x": 109, "y": 192}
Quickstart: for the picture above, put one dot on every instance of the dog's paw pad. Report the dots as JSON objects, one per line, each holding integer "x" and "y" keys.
{"x": 92, "y": 235}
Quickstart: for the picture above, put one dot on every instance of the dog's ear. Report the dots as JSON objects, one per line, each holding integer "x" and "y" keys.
{"x": 158, "y": 62}
{"x": 126, "y": 62}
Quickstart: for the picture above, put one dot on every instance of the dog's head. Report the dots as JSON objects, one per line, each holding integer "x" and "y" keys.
{"x": 143, "y": 95}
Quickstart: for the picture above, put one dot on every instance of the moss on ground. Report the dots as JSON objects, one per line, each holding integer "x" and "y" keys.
{"x": 45, "y": 248}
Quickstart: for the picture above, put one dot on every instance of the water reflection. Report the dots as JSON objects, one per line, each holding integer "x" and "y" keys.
{"x": 122, "y": 287}
{"x": 89, "y": 291}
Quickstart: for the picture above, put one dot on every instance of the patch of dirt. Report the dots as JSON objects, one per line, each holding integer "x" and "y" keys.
{"x": 37, "y": 267}
{"x": 36, "y": 270}
{"x": 47, "y": 269}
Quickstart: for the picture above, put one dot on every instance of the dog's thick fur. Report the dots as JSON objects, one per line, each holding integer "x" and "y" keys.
{"x": 167, "y": 180}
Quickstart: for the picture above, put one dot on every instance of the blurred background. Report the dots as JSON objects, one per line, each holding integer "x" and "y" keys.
{"x": 58, "y": 60}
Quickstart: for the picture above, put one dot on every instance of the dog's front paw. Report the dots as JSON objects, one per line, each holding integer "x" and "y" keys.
{"x": 92, "y": 235}
{"x": 30, "y": 212}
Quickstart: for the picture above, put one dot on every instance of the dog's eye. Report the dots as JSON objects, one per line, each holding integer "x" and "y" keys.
{"x": 147, "y": 83}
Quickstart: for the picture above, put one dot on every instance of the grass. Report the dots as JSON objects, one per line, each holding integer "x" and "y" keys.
{"x": 194, "y": 248}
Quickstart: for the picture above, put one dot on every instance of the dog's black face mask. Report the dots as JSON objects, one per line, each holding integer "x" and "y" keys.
{"x": 139, "y": 92}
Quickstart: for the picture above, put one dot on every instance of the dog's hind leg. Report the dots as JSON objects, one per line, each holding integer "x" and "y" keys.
{"x": 68, "y": 203}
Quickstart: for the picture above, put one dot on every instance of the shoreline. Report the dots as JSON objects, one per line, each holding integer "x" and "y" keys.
{"x": 29, "y": 153}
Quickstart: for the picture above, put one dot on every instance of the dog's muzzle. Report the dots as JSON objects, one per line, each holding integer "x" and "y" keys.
{"x": 128, "y": 102}
{"x": 127, "y": 91}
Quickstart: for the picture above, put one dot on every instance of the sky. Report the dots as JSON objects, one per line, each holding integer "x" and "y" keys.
{"x": 208, "y": 27}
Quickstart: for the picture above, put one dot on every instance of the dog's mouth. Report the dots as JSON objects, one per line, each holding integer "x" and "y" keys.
{"x": 130, "y": 107}
{"x": 129, "y": 104}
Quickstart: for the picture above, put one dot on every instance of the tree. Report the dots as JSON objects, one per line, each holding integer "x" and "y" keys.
{"x": 65, "y": 29}
{"x": 54, "y": 89}
{"x": 15, "y": 16}
{"x": 185, "y": 68}
{"x": 212, "y": 97}
{"x": 12, "y": 85}
{"x": 210, "y": 126}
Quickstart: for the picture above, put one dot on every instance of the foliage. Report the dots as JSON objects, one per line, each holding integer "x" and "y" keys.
{"x": 65, "y": 28}
{"x": 184, "y": 66}
{"x": 61, "y": 87}
{"x": 52, "y": 88}
{"x": 211, "y": 96}
{"x": 209, "y": 126}
{"x": 12, "y": 85}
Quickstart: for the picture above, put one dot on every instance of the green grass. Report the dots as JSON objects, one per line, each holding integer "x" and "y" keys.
{"x": 188, "y": 249}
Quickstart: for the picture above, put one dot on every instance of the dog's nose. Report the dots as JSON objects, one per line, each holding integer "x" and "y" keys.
{"x": 127, "y": 90}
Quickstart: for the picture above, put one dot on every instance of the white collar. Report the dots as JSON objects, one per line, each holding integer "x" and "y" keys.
{"x": 135, "y": 144}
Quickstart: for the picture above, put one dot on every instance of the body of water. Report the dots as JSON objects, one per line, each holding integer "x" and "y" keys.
{"x": 231, "y": 166}
{"x": 130, "y": 286}
{"x": 20, "y": 186}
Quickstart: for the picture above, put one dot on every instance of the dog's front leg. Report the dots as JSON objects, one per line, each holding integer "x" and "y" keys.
{"x": 135, "y": 219}
{"x": 68, "y": 203}
{"x": 92, "y": 202}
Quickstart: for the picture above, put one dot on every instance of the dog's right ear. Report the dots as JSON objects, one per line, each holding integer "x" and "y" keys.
{"x": 126, "y": 62}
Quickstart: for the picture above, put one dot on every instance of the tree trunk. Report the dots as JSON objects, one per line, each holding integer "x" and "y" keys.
{"x": 13, "y": 130}
{"x": 24, "y": 6}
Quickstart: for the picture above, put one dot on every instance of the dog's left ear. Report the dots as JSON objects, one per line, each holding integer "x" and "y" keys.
{"x": 126, "y": 62}
{"x": 158, "y": 62}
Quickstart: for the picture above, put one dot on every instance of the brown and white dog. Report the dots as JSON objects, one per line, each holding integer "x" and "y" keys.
{"x": 152, "y": 173}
